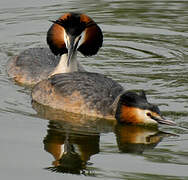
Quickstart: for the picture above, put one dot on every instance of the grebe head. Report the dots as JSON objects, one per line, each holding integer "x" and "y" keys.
{"x": 74, "y": 31}
{"x": 133, "y": 108}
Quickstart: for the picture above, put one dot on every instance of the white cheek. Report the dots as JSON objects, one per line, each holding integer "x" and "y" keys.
{"x": 145, "y": 118}
{"x": 81, "y": 39}
{"x": 66, "y": 38}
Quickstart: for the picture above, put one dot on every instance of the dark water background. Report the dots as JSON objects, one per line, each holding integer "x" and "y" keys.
{"x": 145, "y": 47}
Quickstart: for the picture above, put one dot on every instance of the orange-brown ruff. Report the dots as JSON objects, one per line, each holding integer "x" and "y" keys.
{"x": 36, "y": 64}
{"x": 96, "y": 95}
{"x": 77, "y": 23}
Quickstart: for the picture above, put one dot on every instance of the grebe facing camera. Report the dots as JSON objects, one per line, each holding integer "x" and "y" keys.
{"x": 72, "y": 32}
{"x": 96, "y": 95}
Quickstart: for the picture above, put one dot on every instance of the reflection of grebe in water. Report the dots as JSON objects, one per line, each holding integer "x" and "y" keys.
{"x": 94, "y": 94}
{"x": 72, "y": 32}
{"x": 136, "y": 139}
{"x": 62, "y": 145}
{"x": 72, "y": 150}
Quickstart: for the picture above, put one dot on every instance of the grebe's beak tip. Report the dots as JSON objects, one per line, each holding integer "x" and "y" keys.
{"x": 162, "y": 120}
{"x": 52, "y": 21}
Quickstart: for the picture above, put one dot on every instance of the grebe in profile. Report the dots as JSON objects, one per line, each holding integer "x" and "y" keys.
{"x": 72, "y": 32}
{"x": 94, "y": 94}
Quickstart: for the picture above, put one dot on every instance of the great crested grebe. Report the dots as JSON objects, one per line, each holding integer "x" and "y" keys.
{"x": 72, "y": 32}
{"x": 94, "y": 94}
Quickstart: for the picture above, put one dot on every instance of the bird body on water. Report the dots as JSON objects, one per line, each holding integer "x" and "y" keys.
{"x": 70, "y": 33}
{"x": 96, "y": 95}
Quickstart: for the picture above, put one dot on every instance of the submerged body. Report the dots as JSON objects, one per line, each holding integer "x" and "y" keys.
{"x": 70, "y": 33}
{"x": 94, "y": 94}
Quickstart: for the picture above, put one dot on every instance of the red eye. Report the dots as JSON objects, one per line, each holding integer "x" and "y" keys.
{"x": 149, "y": 114}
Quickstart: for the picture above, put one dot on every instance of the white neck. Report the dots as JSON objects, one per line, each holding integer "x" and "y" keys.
{"x": 62, "y": 66}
